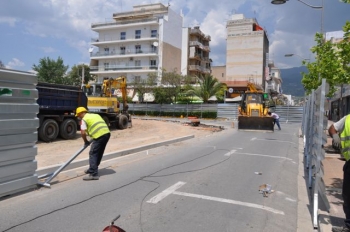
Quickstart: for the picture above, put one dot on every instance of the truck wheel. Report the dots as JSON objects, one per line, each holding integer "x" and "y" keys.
{"x": 48, "y": 131}
{"x": 105, "y": 118}
{"x": 68, "y": 129}
{"x": 123, "y": 122}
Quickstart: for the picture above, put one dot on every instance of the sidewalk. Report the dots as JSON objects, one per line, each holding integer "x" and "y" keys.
{"x": 333, "y": 179}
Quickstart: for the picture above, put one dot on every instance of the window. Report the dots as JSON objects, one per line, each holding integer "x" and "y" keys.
{"x": 106, "y": 65}
{"x": 122, "y": 50}
{"x": 137, "y": 62}
{"x": 122, "y": 35}
{"x": 106, "y": 51}
{"x": 137, "y": 79}
{"x": 153, "y": 62}
{"x": 137, "y": 34}
{"x": 153, "y": 48}
{"x": 154, "y": 33}
{"x": 138, "y": 49}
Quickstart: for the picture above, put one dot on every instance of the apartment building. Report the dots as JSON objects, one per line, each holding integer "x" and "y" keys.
{"x": 136, "y": 43}
{"x": 195, "y": 52}
{"x": 246, "y": 53}
{"x": 274, "y": 80}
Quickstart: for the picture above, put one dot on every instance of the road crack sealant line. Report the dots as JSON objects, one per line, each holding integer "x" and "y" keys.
{"x": 128, "y": 184}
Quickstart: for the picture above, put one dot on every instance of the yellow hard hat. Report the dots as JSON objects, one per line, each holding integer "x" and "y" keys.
{"x": 80, "y": 110}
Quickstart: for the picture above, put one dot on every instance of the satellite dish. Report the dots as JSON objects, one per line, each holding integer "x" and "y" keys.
{"x": 155, "y": 44}
{"x": 91, "y": 49}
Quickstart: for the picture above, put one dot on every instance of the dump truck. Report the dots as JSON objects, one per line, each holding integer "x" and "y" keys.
{"x": 102, "y": 99}
{"x": 57, "y": 105}
{"x": 253, "y": 110}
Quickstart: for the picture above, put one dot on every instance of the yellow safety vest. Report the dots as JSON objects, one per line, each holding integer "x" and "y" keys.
{"x": 345, "y": 139}
{"x": 96, "y": 126}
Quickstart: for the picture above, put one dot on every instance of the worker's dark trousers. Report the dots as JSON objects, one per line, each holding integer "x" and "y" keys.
{"x": 96, "y": 152}
{"x": 346, "y": 192}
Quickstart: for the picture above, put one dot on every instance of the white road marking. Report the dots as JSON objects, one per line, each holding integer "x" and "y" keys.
{"x": 172, "y": 190}
{"x": 251, "y": 205}
{"x": 253, "y": 139}
{"x": 157, "y": 198}
{"x": 230, "y": 153}
{"x": 270, "y": 156}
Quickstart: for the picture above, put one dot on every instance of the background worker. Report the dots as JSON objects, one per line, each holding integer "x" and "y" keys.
{"x": 343, "y": 127}
{"x": 276, "y": 119}
{"x": 94, "y": 126}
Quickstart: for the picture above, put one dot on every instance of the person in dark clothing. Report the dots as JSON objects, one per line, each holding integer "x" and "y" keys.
{"x": 94, "y": 126}
{"x": 342, "y": 127}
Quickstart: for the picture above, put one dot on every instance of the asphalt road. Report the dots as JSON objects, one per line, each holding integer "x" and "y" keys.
{"x": 203, "y": 184}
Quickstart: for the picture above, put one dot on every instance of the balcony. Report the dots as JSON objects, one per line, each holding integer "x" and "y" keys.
{"x": 116, "y": 40}
{"x": 126, "y": 53}
{"x": 122, "y": 68}
{"x": 199, "y": 45}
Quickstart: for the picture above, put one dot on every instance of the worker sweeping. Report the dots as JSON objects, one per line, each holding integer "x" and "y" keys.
{"x": 94, "y": 126}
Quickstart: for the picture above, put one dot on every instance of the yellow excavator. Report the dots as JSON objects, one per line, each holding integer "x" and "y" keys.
{"x": 253, "y": 110}
{"x": 103, "y": 101}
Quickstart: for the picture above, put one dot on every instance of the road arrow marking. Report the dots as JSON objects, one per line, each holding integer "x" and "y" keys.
{"x": 172, "y": 190}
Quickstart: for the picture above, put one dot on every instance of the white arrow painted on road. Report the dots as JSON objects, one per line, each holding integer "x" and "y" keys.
{"x": 172, "y": 190}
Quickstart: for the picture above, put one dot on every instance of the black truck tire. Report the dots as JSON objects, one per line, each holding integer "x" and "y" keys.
{"x": 123, "y": 122}
{"x": 48, "y": 131}
{"x": 68, "y": 129}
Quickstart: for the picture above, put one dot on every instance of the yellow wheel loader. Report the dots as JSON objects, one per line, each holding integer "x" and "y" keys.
{"x": 253, "y": 110}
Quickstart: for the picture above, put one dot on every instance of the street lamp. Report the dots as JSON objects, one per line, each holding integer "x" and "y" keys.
{"x": 292, "y": 54}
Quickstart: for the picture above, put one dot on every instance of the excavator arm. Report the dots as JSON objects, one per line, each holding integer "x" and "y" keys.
{"x": 118, "y": 83}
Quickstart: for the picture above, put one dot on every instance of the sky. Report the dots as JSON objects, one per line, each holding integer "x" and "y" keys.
{"x": 35, "y": 29}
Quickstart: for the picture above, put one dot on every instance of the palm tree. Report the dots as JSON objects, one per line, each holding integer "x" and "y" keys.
{"x": 208, "y": 86}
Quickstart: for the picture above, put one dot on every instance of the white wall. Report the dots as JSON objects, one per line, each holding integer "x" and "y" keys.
{"x": 172, "y": 29}
{"x": 184, "y": 52}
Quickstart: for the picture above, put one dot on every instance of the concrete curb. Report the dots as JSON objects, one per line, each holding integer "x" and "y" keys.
{"x": 304, "y": 218}
{"x": 73, "y": 169}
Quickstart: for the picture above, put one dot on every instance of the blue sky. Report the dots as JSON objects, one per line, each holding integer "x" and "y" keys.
{"x": 34, "y": 29}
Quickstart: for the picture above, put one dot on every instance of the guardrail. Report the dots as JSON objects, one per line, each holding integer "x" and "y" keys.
{"x": 313, "y": 128}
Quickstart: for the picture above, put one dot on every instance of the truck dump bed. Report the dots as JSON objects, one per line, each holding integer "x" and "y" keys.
{"x": 59, "y": 99}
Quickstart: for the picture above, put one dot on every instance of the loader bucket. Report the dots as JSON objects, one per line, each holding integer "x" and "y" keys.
{"x": 255, "y": 123}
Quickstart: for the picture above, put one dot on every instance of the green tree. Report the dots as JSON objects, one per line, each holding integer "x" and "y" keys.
{"x": 172, "y": 82}
{"x": 74, "y": 76}
{"x": 346, "y": 1}
{"x": 142, "y": 86}
{"x": 332, "y": 63}
{"x": 208, "y": 86}
{"x": 51, "y": 71}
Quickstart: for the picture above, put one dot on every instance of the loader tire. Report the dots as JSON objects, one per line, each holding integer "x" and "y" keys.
{"x": 123, "y": 122}
{"x": 68, "y": 129}
{"x": 48, "y": 131}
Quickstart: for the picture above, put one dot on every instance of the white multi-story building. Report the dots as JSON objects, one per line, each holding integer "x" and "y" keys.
{"x": 137, "y": 43}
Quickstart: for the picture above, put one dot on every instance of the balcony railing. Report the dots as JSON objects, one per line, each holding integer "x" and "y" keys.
{"x": 125, "y": 52}
{"x": 121, "y": 67}
{"x": 114, "y": 23}
{"x": 200, "y": 45}
{"x": 117, "y": 39}
{"x": 198, "y": 68}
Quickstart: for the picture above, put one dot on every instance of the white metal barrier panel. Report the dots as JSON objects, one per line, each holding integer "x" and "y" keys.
{"x": 313, "y": 127}
{"x": 18, "y": 131}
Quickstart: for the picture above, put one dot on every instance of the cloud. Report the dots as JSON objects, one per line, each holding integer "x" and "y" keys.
{"x": 48, "y": 49}
{"x": 14, "y": 63}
